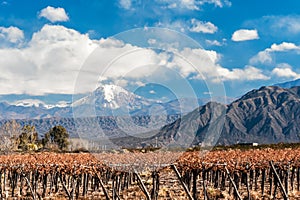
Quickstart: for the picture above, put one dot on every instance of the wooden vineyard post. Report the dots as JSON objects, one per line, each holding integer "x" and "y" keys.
{"x": 195, "y": 176}
{"x": 4, "y": 181}
{"x": 155, "y": 185}
{"x": 270, "y": 181}
{"x": 102, "y": 185}
{"x": 126, "y": 181}
{"x": 44, "y": 185}
{"x": 73, "y": 186}
{"x": 257, "y": 174}
{"x": 275, "y": 186}
{"x": 298, "y": 179}
{"x": 204, "y": 182}
{"x": 233, "y": 183}
{"x": 143, "y": 187}
{"x": 292, "y": 178}
{"x": 1, "y": 195}
{"x": 120, "y": 183}
{"x": 263, "y": 179}
{"x": 236, "y": 179}
{"x": 247, "y": 182}
{"x": 153, "y": 192}
{"x": 77, "y": 187}
{"x": 287, "y": 174}
{"x": 251, "y": 178}
{"x": 223, "y": 181}
{"x": 56, "y": 182}
{"x": 285, "y": 196}
{"x": 29, "y": 185}
{"x": 65, "y": 187}
{"x": 34, "y": 181}
{"x": 182, "y": 182}
{"x": 21, "y": 184}
{"x": 115, "y": 187}
{"x": 248, "y": 177}
{"x": 85, "y": 181}
{"x": 14, "y": 181}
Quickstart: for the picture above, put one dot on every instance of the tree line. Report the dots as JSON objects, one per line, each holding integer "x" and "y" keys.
{"x": 14, "y": 137}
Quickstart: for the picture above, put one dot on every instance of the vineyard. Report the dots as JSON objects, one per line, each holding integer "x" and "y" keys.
{"x": 231, "y": 174}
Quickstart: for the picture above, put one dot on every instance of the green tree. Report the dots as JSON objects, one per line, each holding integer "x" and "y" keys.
{"x": 57, "y": 135}
{"x": 28, "y": 138}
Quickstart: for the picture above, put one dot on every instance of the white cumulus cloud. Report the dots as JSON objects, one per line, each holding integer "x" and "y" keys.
{"x": 244, "y": 34}
{"x": 11, "y": 34}
{"x": 285, "y": 46}
{"x": 48, "y": 64}
{"x": 249, "y": 73}
{"x": 265, "y": 56}
{"x": 262, "y": 57}
{"x": 285, "y": 70}
{"x": 204, "y": 27}
{"x": 54, "y": 14}
{"x": 209, "y": 68}
{"x": 54, "y": 57}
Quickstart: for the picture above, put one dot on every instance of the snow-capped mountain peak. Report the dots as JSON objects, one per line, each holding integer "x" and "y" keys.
{"x": 112, "y": 98}
{"x": 110, "y": 92}
{"x": 29, "y": 103}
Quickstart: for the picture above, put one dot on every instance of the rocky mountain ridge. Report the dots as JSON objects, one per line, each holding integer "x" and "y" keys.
{"x": 267, "y": 115}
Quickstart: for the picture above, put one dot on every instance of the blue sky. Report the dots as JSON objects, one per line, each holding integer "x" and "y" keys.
{"x": 43, "y": 44}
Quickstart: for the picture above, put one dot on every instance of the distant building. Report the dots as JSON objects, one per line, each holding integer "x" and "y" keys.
{"x": 254, "y": 144}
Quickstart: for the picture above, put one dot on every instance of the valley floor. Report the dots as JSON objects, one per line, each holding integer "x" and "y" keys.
{"x": 221, "y": 174}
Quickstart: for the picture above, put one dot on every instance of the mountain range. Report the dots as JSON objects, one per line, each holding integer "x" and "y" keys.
{"x": 270, "y": 114}
{"x": 266, "y": 115}
{"x": 106, "y": 100}
{"x": 105, "y": 106}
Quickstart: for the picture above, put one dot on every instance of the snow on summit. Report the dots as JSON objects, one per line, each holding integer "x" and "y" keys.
{"x": 111, "y": 90}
